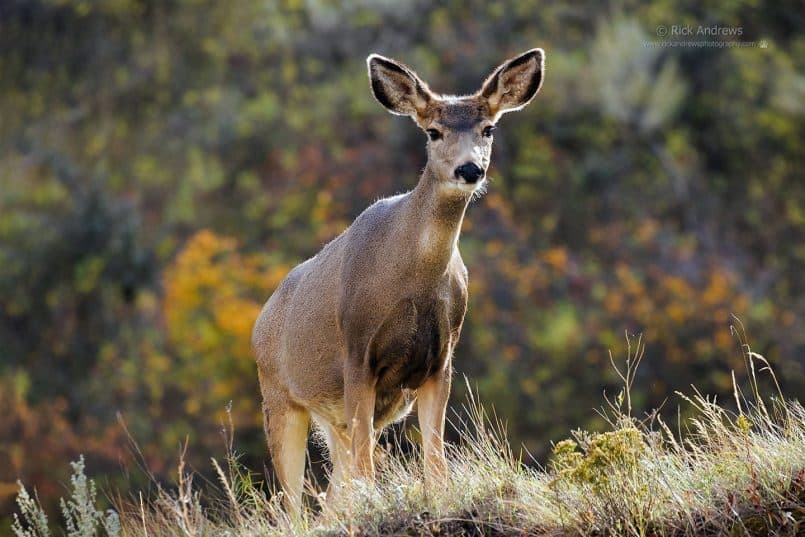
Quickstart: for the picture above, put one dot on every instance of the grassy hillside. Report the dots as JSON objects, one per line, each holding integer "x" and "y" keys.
{"x": 735, "y": 472}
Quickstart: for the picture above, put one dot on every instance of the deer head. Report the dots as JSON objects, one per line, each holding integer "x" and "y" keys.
{"x": 460, "y": 129}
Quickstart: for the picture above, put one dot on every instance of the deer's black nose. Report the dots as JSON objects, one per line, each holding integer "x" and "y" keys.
{"x": 470, "y": 172}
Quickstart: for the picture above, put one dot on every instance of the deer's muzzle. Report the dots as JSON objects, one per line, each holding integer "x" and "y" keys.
{"x": 470, "y": 172}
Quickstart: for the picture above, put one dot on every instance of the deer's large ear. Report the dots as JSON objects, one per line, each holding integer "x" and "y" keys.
{"x": 398, "y": 88}
{"x": 512, "y": 85}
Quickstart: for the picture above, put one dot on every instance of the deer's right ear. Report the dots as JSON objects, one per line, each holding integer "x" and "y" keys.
{"x": 397, "y": 87}
{"x": 512, "y": 85}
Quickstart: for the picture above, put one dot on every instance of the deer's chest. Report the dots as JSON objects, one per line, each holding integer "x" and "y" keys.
{"x": 413, "y": 344}
{"x": 415, "y": 352}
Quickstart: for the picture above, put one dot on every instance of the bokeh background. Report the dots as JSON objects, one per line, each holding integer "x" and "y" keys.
{"x": 163, "y": 164}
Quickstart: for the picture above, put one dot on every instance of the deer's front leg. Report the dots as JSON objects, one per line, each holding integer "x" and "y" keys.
{"x": 431, "y": 408}
{"x": 359, "y": 400}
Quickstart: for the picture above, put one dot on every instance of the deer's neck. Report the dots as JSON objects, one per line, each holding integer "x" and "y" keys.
{"x": 435, "y": 216}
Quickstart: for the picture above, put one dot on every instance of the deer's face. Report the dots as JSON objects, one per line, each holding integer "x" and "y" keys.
{"x": 460, "y": 132}
{"x": 459, "y": 129}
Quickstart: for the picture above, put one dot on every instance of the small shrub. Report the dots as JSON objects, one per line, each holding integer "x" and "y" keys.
{"x": 604, "y": 455}
{"x": 34, "y": 521}
{"x": 81, "y": 517}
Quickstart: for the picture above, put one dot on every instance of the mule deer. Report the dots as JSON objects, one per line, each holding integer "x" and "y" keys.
{"x": 354, "y": 336}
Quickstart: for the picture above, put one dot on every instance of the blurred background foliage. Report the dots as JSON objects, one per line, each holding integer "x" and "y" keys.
{"x": 164, "y": 164}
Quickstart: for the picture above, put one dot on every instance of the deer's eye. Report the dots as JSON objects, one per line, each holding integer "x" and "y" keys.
{"x": 488, "y": 130}
{"x": 433, "y": 134}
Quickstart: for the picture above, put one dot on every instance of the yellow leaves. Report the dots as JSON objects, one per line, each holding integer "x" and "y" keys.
{"x": 275, "y": 275}
{"x": 191, "y": 274}
{"x": 210, "y": 272}
{"x": 628, "y": 279}
{"x": 494, "y": 247}
{"x": 324, "y": 217}
{"x": 235, "y": 318}
{"x": 613, "y": 302}
{"x": 557, "y": 258}
{"x": 192, "y": 406}
{"x": 8, "y": 490}
{"x": 510, "y": 353}
{"x": 321, "y": 209}
{"x": 677, "y": 287}
{"x": 646, "y": 230}
{"x": 677, "y": 312}
{"x": 724, "y": 340}
{"x": 213, "y": 294}
{"x": 499, "y": 205}
{"x": 530, "y": 277}
{"x": 718, "y": 289}
{"x": 157, "y": 365}
{"x": 665, "y": 300}
{"x": 530, "y": 386}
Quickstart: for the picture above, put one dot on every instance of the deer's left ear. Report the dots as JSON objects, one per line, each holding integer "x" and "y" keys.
{"x": 514, "y": 83}
{"x": 398, "y": 88}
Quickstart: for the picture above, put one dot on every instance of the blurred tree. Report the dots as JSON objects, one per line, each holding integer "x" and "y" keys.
{"x": 162, "y": 165}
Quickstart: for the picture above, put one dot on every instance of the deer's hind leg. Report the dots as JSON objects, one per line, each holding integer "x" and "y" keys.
{"x": 287, "y": 426}
{"x": 338, "y": 448}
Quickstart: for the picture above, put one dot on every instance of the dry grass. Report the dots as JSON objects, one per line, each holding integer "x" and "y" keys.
{"x": 722, "y": 472}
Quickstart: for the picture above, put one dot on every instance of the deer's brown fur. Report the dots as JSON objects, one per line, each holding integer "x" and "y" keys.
{"x": 355, "y": 336}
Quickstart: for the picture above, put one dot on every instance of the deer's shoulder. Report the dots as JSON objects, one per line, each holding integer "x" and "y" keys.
{"x": 382, "y": 211}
